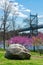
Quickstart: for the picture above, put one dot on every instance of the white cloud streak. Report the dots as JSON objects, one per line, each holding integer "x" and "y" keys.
{"x": 27, "y": 10}
{"x": 40, "y": 16}
{"x": 22, "y": 15}
{"x": 17, "y": 9}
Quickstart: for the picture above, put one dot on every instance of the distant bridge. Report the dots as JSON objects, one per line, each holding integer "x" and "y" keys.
{"x": 33, "y": 25}
{"x": 30, "y": 28}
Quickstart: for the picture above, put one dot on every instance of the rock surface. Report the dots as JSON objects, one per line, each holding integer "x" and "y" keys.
{"x": 17, "y": 51}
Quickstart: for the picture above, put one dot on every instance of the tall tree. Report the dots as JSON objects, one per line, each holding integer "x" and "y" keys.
{"x": 6, "y": 7}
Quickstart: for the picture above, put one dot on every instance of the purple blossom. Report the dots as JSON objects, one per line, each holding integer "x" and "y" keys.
{"x": 24, "y": 40}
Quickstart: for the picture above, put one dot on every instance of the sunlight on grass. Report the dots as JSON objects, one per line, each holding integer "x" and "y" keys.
{"x": 36, "y": 59}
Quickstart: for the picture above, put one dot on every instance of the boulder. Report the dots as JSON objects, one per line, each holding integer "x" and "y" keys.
{"x": 17, "y": 51}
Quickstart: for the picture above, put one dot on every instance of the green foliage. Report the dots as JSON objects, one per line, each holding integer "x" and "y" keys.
{"x": 36, "y": 59}
{"x": 1, "y": 49}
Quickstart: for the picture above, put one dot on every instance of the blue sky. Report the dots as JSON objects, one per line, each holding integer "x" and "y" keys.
{"x": 36, "y": 6}
{"x": 27, "y": 6}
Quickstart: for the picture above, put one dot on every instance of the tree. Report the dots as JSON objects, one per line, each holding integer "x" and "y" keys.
{"x": 6, "y": 7}
{"x": 38, "y": 42}
{"x": 9, "y": 8}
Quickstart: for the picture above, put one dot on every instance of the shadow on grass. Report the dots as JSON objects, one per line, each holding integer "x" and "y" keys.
{"x": 16, "y": 58}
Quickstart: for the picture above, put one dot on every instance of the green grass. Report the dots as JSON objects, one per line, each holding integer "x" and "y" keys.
{"x": 36, "y": 59}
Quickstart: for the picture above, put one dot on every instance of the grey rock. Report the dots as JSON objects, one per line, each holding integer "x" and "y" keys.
{"x": 17, "y": 51}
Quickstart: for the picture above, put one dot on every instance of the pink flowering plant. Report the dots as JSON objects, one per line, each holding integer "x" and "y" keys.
{"x": 25, "y": 40}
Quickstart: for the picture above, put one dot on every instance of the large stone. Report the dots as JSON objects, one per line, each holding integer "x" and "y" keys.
{"x": 17, "y": 51}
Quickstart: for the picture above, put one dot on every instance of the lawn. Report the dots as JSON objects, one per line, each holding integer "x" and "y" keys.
{"x": 36, "y": 59}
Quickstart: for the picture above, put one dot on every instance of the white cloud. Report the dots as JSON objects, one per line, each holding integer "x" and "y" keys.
{"x": 10, "y": 15}
{"x": 16, "y": 11}
{"x": 27, "y": 10}
{"x": 24, "y": 9}
{"x": 15, "y": 3}
{"x": 21, "y": 5}
{"x": 40, "y": 16}
{"x": 11, "y": 0}
{"x": 16, "y": 8}
{"x": 22, "y": 15}
{"x": 1, "y": 3}
{"x": 4, "y": 3}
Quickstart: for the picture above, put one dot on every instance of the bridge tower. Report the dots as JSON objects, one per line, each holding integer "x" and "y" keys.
{"x": 33, "y": 23}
